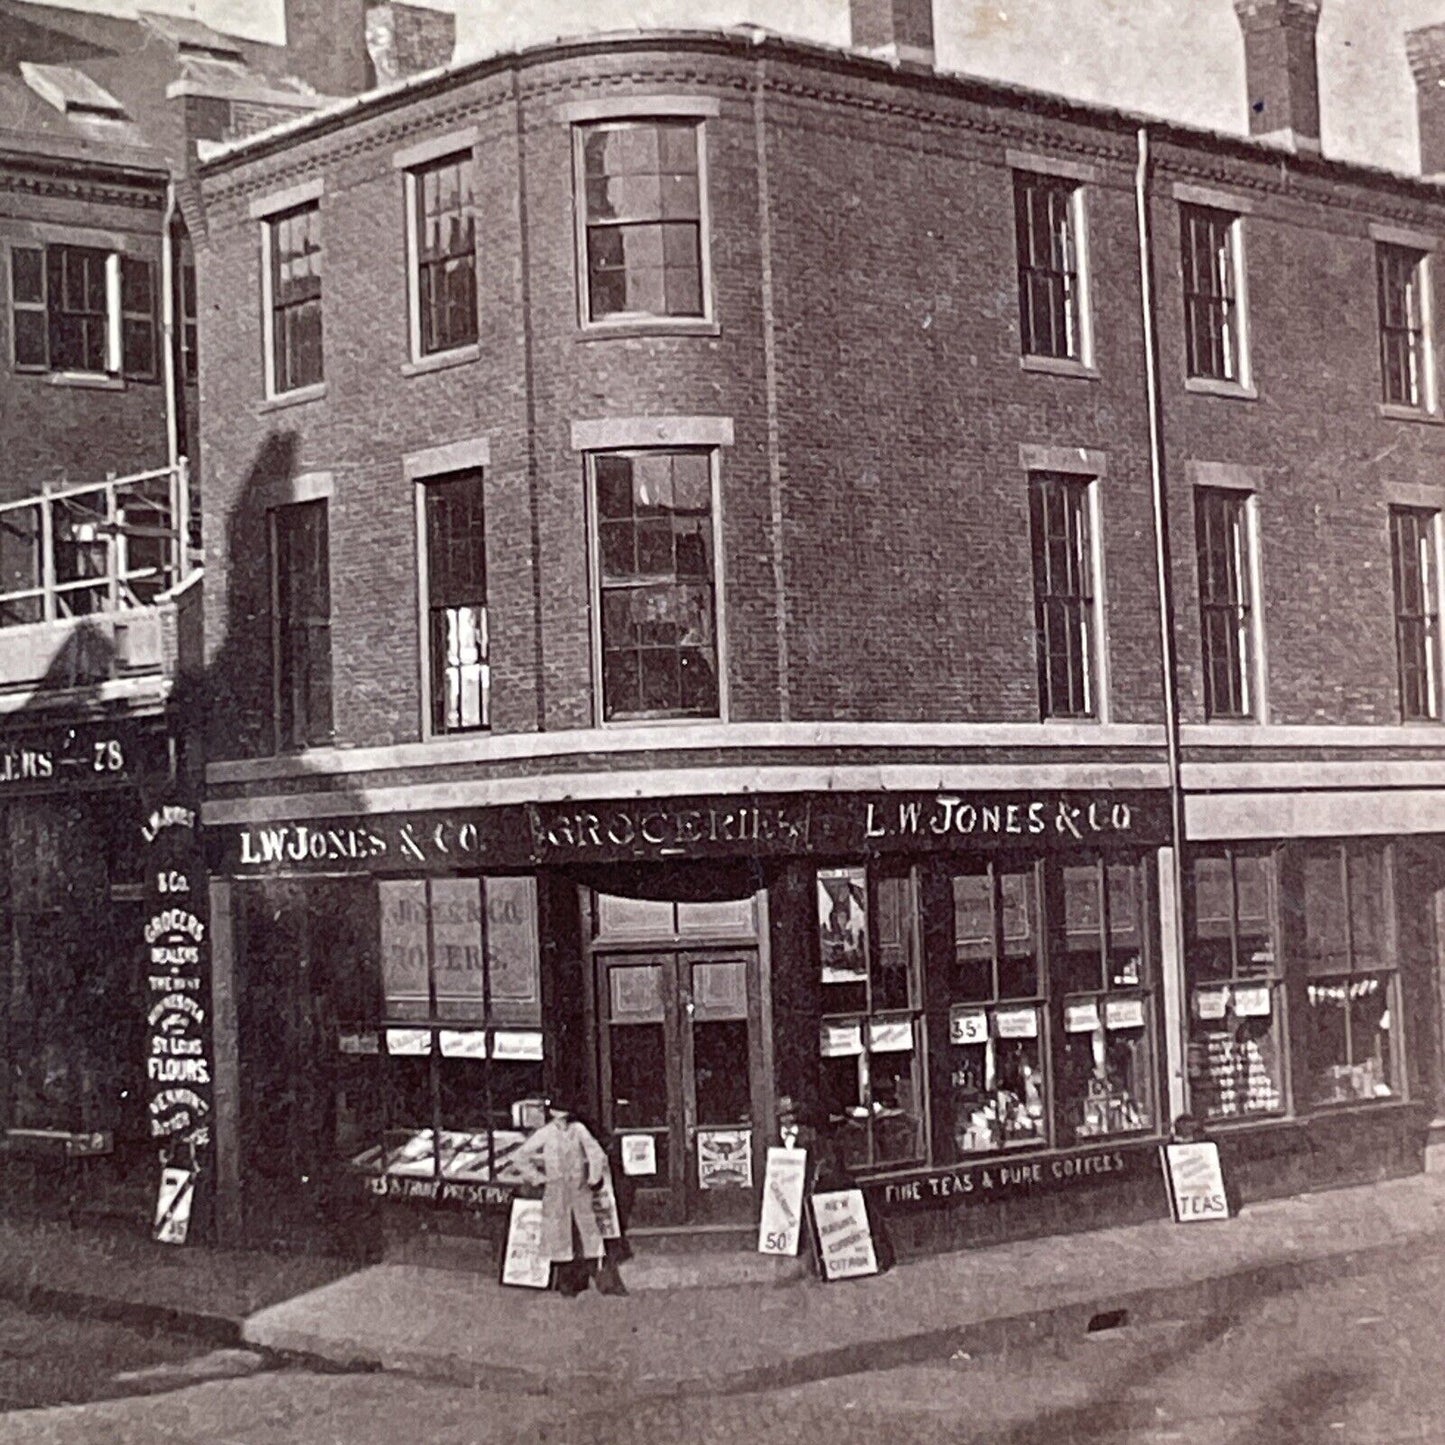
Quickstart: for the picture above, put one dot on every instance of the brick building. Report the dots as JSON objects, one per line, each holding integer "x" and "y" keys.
{"x": 101, "y": 119}
{"x": 746, "y": 575}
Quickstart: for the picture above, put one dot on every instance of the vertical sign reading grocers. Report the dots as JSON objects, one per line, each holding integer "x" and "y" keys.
{"x": 178, "y": 1062}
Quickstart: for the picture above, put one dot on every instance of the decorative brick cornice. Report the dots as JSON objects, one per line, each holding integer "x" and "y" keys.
{"x": 59, "y": 187}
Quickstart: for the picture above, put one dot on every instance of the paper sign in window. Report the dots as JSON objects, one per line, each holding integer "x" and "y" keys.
{"x": 401, "y": 1042}
{"x": 1210, "y": 1003}
{"x": 639, "y": 1155}
{"x": 1124, "y": 1013}
{"x": 512, "y": 957}
{"x": 404, "y": 947}
{"x": 523, "y": 1044}
{"x": 1252, "y": 1003}
{"x": 967, "y": 1026}
{"x": 456, "y": 920}
{"x": 463, "y": 1044}
{"x": 1081, "y": 1018}
{"x": 1017, "y": 1023}
{"x": 840, "y": 1040}
{"x": 890, "y": 1036}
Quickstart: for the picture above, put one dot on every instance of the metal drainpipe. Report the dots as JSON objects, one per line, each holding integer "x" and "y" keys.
{"x": 168, "y": 371}
{"x": 1168, "y": 673}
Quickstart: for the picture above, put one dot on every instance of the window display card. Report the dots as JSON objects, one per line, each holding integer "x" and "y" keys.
{"x": 724, "y": 1158}
{"x": 890, "y": 1036}
{"x": 1252, "y": 1003}
{"x": 1081, "y": 1018}
{"x": 463, "y": 1044}
{"x": 639, "y": 1155}
{"x": 400, "y": 1042}
{"x": 523, "y": 1044}
{"x": 967, "y": 1026}
{"x": 1210, "y": 1003}
{"x": 845, "y": 1242}
{"x": 1124, "y": 1013}
{"x": 1017, "y": 1023}
{"x": 841, "y": 1040}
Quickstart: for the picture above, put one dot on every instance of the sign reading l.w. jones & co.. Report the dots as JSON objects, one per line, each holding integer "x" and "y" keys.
{"x": 658, "y": 829}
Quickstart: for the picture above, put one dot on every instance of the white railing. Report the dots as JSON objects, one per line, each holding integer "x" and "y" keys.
{"x": 95, "y": 547}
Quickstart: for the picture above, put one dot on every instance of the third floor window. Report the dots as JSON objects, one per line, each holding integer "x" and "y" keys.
{"x": 1404, "y": 331}
{"x": 293, "y": 302}
{"x": 443, "y": 248}
{"x": 1213, "y": 313}
{"x": 1063, "y": 594}
{"x": 1415, "y": 567}
{"x": 642, "y": 212}
{"x": 1048, "y": 232}
{"x": 458, "y": 668}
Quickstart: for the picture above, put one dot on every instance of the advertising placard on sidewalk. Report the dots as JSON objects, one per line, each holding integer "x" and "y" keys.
{"x": 782, "y": 1214}
{"x": 522, "y": 1261}
{"x": 845, "y": 1242}
{"x": 1196, "y": 1182}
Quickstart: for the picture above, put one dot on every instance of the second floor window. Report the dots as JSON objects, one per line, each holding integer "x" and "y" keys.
{"x": 190, "y": 353}
{"x": 1213, "y": 341}
{"x": 1415, "y": 567}
{"x": 1063, "y": 594}
{"x": 459, "y": 673}
{"x": 444, "y": 256}
{"x": 1046, "y": 230}
{"x": 1226, "y": 609}
{"x": 642, "y": 216}
{"x": 82, "y": 309}
{"x": 294, "y": 304}
{"x": 656, "y": 584}
{"x": 1400, "y": 274}
{"x": 302, "y": 590}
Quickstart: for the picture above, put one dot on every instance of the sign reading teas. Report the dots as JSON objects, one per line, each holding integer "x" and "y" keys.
{"x": 655, "y": 830}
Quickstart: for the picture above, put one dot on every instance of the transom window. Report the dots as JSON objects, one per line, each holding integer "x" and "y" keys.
{"x": 1415, "y": 566}
{"x": 82, "y": 309}
{"x": 1046, "y": 222}
{"x": 1226, "y": 608}
{"x": 456, "y": 577}
{"x": 1210, "y": 241}
{"x": 444, "y": 255}
{"x": 1059, "y": 509}
{"x": 656, "y": 583}
{"x": 642, "y": 219}
{"x": 1400, "y": 276}
{"x": 294, "y": 269}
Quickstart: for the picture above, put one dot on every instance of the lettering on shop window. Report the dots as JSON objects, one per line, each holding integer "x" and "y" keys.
{"x": 991, "y": 1180}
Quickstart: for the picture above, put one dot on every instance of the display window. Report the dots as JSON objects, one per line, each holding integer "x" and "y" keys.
{"x": 441, "y": 1051}
{"x": 1100, "y": 973}
{"x": 1237, "y": 1005}
{"x": 998, "y": 1026}
{"x": 1345, "y": 934}
{"x": 871, "y": 1042}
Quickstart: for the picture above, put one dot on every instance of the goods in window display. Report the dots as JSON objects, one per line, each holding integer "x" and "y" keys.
{"x": 1103, "y": 1088}
{"x": 998, "y": 1089}
{"x": 459, "y": 1155}
{"x": 1350, "y": 1019}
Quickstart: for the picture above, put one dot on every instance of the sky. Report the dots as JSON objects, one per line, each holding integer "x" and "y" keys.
{"x": 1180, "y": 59}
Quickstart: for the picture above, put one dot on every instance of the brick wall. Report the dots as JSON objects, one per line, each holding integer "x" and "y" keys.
{"x": 876, "y": 532}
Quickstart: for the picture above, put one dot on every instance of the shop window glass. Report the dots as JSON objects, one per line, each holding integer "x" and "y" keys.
{"x": 1351, "y": 993}
{"x": 997, "y": 1024}
{"x": 871, "y": 1042}
{"x": 456, "y": 1030}
{"x": 1106, "y": 1074}
{"x": 1236, "y": 1002}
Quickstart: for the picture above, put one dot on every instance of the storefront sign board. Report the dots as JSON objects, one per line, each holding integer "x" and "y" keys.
{"x": 522, "y": 1263}
{"x": 780, "y": 1222}
{"x": 708, "y": 826}
{"x": 845, "y": 1242}
{"x": 1196, "y": 1182}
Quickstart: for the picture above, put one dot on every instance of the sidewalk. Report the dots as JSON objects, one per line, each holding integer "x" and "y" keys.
{"x": 464, "y": 1328}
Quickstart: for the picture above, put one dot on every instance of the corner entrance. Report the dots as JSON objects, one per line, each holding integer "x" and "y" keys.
{"x": 681, "y": 1072}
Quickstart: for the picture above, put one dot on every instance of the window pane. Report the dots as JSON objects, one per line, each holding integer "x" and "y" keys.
{"x": 639, "y": 1075}
{"x": 1350, "y": 1047}
{"x": 1079, "y": 966}
{"x": 1236, "y": 1052}
{"x": 404, "y": 919}
{"x": 843, "y": 925}
{"x": 996, "y": 1080}
{"x": 1326, "y": 943}
{"x": 720, "y": 1072}
{"x": 893, "y": 974}
{"x": 1106, "y": 1071}
{"x": 896, "y": 1102}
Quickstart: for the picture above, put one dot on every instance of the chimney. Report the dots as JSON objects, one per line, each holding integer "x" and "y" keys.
{"x": 894, "y": 29}
{"x": 1426, "y": 49}
{"x": 1280, "y": 70}
{"x": 405, "y": 40}
{"x": 326, "y": 45}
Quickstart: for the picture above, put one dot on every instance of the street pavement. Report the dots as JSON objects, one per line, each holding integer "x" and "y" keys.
{"x": 1358, "y": 1359}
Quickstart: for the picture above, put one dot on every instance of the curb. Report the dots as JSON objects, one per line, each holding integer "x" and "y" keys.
{"x": 1210, "y": 1295}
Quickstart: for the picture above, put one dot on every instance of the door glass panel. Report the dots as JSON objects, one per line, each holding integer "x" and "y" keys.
{"x": 720, "y": 1072}
{"x": 639, "y": 1076}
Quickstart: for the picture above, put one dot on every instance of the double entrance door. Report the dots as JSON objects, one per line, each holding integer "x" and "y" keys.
{"x": 682, "y": 1079}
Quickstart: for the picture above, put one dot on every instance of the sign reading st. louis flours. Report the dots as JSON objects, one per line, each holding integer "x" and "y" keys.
{"x": 657, "y": 830}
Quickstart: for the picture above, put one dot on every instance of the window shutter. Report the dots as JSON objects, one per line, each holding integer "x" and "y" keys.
{"x": 27, "y": 308}
{"x": 138, "y": 319}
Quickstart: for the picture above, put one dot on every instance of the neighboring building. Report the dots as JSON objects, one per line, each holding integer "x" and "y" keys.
{"x": 100, "y": 120}
{"x": 684, "y": 630}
